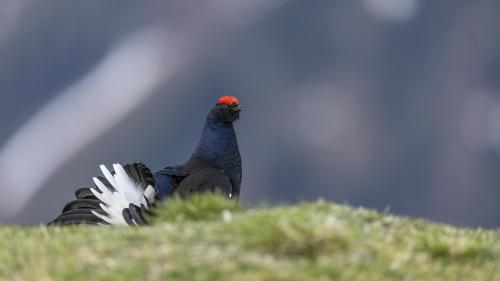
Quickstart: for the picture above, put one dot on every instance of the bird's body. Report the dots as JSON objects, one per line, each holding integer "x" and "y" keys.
{"x": 123, "y": 196}
{"x": 217, "y": 155}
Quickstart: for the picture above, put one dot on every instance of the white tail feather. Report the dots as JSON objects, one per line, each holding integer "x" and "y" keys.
{"x": 107, "y": 174}
{"x": 125, "y": 192}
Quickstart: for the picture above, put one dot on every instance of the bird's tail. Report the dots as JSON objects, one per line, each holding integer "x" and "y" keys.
{"x": 121, "y": 197}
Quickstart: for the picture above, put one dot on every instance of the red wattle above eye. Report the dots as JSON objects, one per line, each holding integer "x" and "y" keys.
{"x": 229, "y": 100}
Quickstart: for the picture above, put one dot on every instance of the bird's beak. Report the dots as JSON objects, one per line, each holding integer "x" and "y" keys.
{"x": 237, "y": 109}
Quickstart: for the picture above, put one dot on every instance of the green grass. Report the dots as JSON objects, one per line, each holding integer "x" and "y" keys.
{"x": 209, "y": 238}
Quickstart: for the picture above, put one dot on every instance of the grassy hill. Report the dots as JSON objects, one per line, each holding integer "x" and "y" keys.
{"x": 209, "y": 238}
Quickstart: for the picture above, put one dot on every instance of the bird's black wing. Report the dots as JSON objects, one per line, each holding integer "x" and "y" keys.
{"x": 219, "y": 182}
{"x": 203, "y": 179}
{"x": 92, "y": 205}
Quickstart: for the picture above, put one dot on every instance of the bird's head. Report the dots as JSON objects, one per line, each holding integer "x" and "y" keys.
{"x": 227, "y": 110}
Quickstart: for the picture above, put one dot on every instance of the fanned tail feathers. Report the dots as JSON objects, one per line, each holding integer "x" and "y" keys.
{"x": 119, "y": 198}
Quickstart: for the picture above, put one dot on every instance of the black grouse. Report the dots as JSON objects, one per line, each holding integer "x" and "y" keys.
{"x": 124, "y": 195}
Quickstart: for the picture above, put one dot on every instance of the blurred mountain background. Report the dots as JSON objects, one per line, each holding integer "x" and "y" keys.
{"x": 377, "y": 103}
